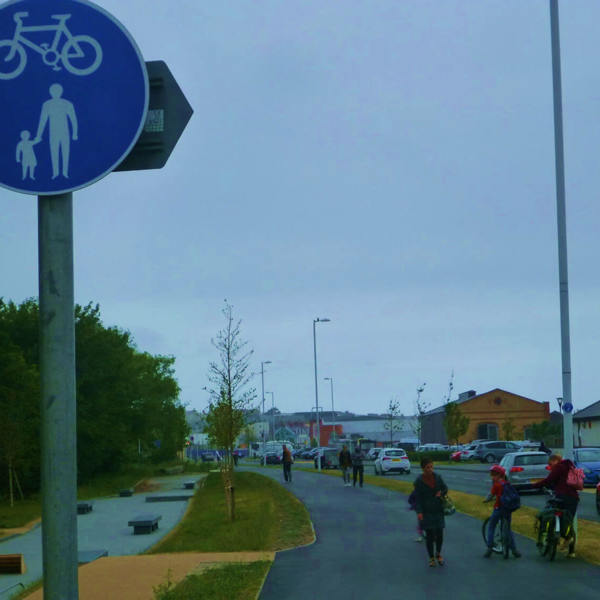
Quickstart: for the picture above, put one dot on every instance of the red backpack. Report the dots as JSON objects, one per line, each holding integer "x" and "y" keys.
{"x": 575, "y": 478}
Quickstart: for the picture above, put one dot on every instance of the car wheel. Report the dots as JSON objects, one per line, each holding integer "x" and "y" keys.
{"x": 490, "y": 458}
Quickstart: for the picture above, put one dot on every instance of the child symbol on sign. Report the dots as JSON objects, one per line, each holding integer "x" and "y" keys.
{"x": 26, "y": 155}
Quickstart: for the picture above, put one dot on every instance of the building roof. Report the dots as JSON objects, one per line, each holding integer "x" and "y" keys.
{"x": 465, "y": 397}
{"x": 589, "y": 412}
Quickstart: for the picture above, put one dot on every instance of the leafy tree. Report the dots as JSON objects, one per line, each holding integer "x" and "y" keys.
{"x": 421, "y": 407}
{"x": 455, "y": 423}
{"x": 549, "y": 433}
{"x": 393, "y": 413}
{"x": 229, "y": 397}
{"x": 509, "y": 429}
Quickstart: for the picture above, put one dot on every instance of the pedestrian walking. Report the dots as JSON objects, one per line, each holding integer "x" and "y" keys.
{"x": 412, "y": 502}
{"x": 287, "y": 464}
{"x": 345, "y": 460}
{"x": 429, "y": 489}
{"x": 358, "y": 467}
{"x": 498, "y": 475}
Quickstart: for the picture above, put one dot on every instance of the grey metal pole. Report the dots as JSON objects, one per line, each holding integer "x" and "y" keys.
{"x": 316, "y": 389}
{"x": 561, "y": 220}
{"x": 58, "y": 411}
{"x": 332, "y": 411}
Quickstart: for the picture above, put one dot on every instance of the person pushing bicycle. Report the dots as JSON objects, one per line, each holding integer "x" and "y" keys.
{"x": 498, "y": 475}
{"x": 567, "y": 494}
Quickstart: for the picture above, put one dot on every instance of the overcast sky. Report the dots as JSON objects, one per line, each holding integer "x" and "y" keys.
{"x": 388, "y": 165}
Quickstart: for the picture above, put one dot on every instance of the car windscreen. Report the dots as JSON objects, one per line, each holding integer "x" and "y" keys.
{"x": 531, "y": 459}
{"x": 395, "y": 453}
{"x": 588, "y": 455}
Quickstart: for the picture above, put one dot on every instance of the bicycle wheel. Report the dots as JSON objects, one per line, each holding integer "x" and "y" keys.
{"x": 9, "y": 69}
{"x": 497, "y": 541}
{"x": 552, "y": 545}
{"x": 81, "y": 55}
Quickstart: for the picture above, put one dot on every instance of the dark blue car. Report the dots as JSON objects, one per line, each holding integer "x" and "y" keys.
{"x": 588, "y": 459}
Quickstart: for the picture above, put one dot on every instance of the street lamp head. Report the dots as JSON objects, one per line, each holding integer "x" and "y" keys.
{"x": 326, "y": 378}
{"x": 265, "y": 362}
{"x": 319, "y": 320}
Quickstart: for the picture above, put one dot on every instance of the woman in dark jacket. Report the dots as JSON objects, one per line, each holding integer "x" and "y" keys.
{"x": 429, "y": 489}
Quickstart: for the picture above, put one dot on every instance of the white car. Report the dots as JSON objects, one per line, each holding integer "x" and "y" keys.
{"x": 372, "y": 453}
{"x": 392, "y": 460}
{"x": 431, "y": 448}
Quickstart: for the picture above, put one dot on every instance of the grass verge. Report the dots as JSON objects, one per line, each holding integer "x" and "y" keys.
{"x": 239, "y": 581}
{"x": 523, "y": 520}
{"x": 268, "y": 517}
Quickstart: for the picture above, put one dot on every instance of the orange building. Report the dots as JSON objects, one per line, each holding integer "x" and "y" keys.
{"x": 489, "y": 416}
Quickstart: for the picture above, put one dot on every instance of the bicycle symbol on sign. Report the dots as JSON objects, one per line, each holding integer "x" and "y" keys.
{"x": 80, "y": 54}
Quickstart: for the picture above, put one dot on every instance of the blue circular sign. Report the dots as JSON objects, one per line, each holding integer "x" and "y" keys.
{"x": 567, "y": 407}
{"x": 73, "y": 95}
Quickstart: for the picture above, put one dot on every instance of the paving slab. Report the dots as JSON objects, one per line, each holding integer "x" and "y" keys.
{"x": 104, "y": 528}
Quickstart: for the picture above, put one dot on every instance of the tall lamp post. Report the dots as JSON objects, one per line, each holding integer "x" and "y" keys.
{"x": 561, "y": 220}
{"x": 262, "y": 381}
{"x": 315, "y": 321}
{"x": 330, "y": 379}
{"x": 272, "y": 414}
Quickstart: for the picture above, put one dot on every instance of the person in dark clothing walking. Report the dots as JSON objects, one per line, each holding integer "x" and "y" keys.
{"x": 345, "y": 460}
{"x": 287, "y": 464}
{"x": 429, "y": 489}
{"x": 358, "y": 467}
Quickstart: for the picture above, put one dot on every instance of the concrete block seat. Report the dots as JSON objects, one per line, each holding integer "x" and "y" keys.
{"x": 146, "y": 523}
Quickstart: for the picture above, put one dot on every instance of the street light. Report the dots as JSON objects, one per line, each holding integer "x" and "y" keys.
{"x": 262, "y": 380}
{"x": 330, "y": 379}
{"x": 315, "y": 321}
{"x": 272, "y": 414}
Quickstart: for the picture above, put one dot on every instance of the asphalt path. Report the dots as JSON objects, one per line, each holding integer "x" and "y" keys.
{"x": 475, "y": 479}
{"x": 365, "y": 549}
{"x": 103, "y": 529}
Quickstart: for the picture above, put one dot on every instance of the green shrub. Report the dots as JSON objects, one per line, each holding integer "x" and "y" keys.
{"x": 433, "y": 455}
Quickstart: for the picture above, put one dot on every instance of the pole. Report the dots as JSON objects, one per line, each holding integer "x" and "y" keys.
{"x": 57, "y": 381}
{"x": 561, "y": 221}
{"x": 316, "y": 389}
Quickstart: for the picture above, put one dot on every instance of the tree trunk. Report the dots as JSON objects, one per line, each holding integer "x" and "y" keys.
{"x": 10, "y": 482}
{"x": 227, "y": 474}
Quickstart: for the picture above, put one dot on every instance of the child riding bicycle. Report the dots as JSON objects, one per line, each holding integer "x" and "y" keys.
{"x": 498, "y": 475}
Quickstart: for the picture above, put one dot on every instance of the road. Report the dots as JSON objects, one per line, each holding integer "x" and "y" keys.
{"x": 365, "y": 549}
{"x": 474, "y": 478}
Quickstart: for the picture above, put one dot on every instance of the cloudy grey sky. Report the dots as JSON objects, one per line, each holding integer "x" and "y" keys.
{"x": 386, "y": 164}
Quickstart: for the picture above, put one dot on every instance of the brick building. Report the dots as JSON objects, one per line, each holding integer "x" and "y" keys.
{"x": 487, "y": 414}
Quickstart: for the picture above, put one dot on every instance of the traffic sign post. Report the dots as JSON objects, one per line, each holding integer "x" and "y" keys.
{"x": 74, "y": 97}
{"x": 168, "y": 114}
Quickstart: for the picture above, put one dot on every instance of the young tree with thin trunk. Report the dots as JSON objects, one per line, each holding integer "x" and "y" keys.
{"x": 392, "y": 416}
{"x": 455, "y": 423}
{"x": 229, "y": 397}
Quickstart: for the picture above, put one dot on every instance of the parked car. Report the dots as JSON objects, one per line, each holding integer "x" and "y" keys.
{"x": 372, "y": 453}
{"x": 208, "y": 455}
{"x": 271, "y": 458}
{"x": 598, "y": 498}
{"x": 588, "y": 459}
{"x": 469, "y": 452}
{"x": 392, "y": 460}
{"x": 525, "y": 468}
{"x": 329, "y": 458}
{"x": 432, "y": 448}
{"x": 456, "y": 455}
{"x": 492, "y": 452}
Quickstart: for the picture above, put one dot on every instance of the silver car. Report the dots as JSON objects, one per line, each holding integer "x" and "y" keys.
{"x": 525, "y": 468}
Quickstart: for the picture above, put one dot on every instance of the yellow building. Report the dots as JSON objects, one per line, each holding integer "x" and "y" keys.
{"x": 489, "y": 416}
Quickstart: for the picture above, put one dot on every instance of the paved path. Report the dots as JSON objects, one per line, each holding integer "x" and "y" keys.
{"x": 104, "y": 528}
{"x": 365, "y": 551}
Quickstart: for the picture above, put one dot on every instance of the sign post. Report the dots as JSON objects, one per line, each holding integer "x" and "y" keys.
{"x": 73, "y": 102}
